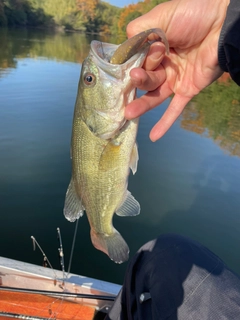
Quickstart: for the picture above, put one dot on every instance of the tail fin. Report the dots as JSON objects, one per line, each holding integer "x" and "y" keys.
{"x": 113, "y": 245}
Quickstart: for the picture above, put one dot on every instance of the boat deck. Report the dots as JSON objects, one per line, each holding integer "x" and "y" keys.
{"x": 21, "y": 305}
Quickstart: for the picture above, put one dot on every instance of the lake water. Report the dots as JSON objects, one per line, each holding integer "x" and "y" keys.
{"x": 187, "y": 183}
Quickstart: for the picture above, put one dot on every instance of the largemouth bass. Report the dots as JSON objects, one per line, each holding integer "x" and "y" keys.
{"x": 103, "y": 145}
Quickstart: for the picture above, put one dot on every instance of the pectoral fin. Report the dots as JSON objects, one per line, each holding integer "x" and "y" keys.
{"x": 110, "y": 156}
{"x": 73, "y": 208}
{"x": 130, "y": 207}
{"x": 134, "y": 159}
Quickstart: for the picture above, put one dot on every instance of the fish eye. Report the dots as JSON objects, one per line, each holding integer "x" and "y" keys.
{"x": 89, "y": 79}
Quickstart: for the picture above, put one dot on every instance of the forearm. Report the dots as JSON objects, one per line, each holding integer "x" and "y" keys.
{"x": 229, "y": 42}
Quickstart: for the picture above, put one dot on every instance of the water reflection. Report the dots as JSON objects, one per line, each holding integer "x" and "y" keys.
{"x": 213, "y": 216}
{"x": 18, "y": 44}
{"x": 215, "y": 113}
{"x": 22, "y": 43}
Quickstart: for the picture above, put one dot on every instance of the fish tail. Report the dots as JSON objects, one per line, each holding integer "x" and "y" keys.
{"x": 113, "y": 245}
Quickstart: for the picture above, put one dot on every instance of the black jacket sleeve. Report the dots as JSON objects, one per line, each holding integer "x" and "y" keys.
{"x": 229, "y": 42}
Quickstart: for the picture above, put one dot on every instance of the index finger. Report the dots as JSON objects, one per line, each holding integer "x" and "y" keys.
{"x": 173, "y": 111}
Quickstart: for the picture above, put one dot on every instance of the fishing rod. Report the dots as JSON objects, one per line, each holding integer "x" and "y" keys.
{"x": 60, "y": 294}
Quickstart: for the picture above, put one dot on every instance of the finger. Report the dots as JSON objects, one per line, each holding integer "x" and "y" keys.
{"x": 148, "y": 80}
{"x": 155, "y": 56}
{"x": 147, "y": 102}
{"x": 173, "y": 111}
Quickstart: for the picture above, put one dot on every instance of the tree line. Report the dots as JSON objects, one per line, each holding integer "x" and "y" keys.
{"x": 93, "y": 16}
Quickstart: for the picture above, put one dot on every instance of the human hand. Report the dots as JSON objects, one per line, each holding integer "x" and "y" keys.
{"x": 192, "y": 28}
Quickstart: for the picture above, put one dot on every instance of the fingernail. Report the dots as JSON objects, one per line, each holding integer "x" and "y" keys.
{"x": 157, "y": 51}
{"x": 156, "y": 55}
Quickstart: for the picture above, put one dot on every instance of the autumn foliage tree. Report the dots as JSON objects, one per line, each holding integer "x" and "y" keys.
{"x": 133, "y": 11}
{"x": 129, "y": 13}
{"x": 87, "y": 7}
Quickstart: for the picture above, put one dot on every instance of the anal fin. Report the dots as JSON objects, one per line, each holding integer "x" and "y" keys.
{"x": 130, "y": 206}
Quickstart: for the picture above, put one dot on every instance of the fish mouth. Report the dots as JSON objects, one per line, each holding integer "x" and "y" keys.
{"x": 102, "y": 52}
{"x": 110, "y": 57}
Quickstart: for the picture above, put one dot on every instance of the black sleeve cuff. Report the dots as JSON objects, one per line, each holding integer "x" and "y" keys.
{"x": 229, "y": 42}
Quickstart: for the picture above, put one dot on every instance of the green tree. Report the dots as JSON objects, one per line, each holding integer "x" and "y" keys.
{"x": 93, "y": 16}
{"x": 14, "y": 10}
{"x": 3, "y": 18}
{"x": 131, "y": 16}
